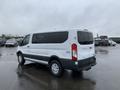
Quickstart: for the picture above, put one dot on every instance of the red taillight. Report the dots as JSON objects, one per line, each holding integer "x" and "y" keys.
{"x": 74, "y": 52}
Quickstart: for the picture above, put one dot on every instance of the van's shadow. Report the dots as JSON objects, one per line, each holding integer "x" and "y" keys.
{"x": 40, "y": 75}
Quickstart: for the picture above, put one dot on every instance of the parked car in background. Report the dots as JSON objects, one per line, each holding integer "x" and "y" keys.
{"x": 97, "y": 41}
{"x": 112, "y": 43}
{"x": 105, "y": 42}
{"x": 11, "y": 42}
{"x": 2, "y": 42}
{"x": 102, "y": 42}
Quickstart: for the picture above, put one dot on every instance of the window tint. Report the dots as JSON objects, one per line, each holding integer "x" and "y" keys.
{"x": 52, "y": 37}
{"x": 26, "y": 40}
{"x": 85, "y": 37}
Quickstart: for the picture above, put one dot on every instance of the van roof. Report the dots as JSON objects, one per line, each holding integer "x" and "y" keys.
{"x": 85, "y": 30}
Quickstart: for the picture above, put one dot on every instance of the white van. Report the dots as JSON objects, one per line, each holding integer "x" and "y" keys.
{"x": 70, "y": 49}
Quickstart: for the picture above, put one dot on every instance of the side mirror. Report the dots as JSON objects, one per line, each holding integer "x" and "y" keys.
{"x": 20, "y": 42}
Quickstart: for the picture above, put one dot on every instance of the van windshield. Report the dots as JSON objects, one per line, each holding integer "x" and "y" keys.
{"x": 85, "y": 37}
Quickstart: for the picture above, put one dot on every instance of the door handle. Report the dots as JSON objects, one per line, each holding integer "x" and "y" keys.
{"x": 90, "y": 47}
{"x": 28, "y": 46}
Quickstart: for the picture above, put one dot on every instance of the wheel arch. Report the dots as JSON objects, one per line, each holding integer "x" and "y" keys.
{"x": 54, "y": 57}
{"x": 19, "y": 52}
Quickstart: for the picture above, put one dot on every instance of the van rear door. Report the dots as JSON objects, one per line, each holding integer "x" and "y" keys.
{"x": 85, "y": 45}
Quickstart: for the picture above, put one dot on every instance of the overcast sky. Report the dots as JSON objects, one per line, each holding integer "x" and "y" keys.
{"x": 25, "y": 16}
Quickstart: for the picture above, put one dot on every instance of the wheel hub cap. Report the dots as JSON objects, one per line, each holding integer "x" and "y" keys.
{"x": 55, "y": 68}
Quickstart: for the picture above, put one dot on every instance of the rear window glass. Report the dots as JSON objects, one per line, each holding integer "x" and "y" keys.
{"x": 85, "y": 37}
{"x": 51, "y": 37}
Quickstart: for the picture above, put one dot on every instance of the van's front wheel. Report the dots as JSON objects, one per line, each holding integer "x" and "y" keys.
{"x": 56, "y": 68}
{"x": 21, "y": 59}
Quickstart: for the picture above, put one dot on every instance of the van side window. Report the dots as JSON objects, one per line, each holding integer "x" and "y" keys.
{"x": 51, "y": 37}
{"x": 26, "y": 40}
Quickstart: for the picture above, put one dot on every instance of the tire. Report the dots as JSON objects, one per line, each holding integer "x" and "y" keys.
{"x": 56, "y": 68}
{"x": 21, "y": 59}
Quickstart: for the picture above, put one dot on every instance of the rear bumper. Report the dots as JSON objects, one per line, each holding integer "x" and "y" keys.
{"x": 84, "y": 64}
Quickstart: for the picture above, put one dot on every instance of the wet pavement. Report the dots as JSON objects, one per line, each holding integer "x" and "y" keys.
{"x": 104, "y": 76}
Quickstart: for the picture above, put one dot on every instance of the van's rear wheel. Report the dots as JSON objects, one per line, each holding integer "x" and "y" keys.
{"x": 56, "y": 68}
{"x": 21, "y": 59}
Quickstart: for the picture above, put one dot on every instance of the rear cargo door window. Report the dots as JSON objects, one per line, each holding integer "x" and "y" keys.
{"x": 52, "y": 37}
{"x": 85, "y": 38}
